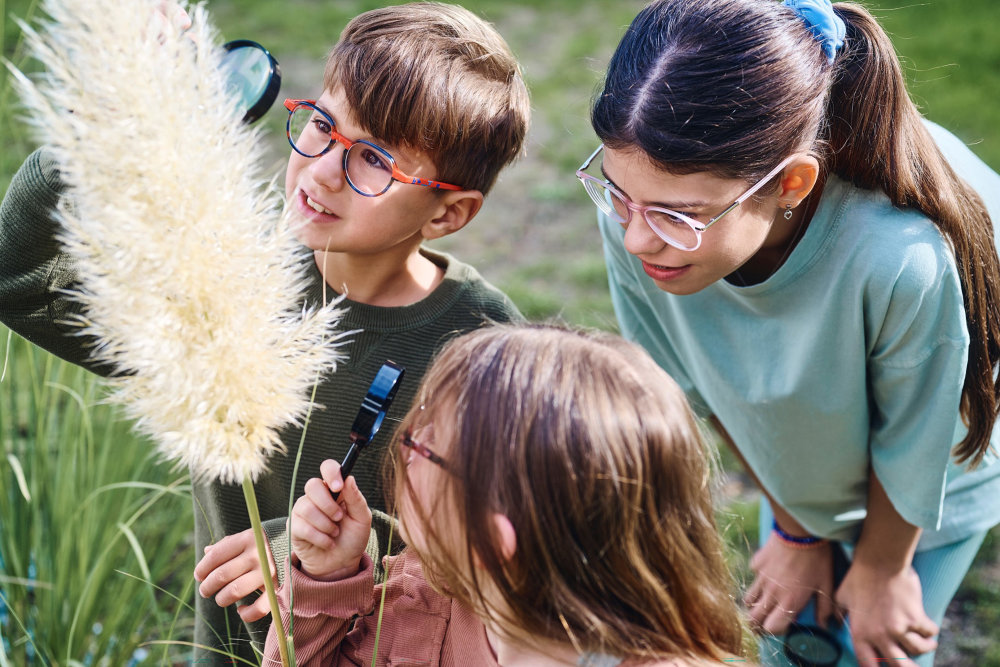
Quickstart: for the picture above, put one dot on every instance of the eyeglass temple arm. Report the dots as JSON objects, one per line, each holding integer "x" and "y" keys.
{"x": 413, "y": 180}
{"x": 749, "y": 193}
{"x": 586, "y": 163}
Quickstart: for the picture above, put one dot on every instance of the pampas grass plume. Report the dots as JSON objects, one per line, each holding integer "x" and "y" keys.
{"x": 192, "y": 285}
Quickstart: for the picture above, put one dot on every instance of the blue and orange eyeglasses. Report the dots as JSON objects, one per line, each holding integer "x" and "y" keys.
{"x": 370, "y": 169}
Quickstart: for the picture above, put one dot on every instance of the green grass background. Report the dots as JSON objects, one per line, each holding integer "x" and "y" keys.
{"x": 81, "y": 501}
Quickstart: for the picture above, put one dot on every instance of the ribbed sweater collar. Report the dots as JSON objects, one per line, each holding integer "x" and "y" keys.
{"x": 398, "y": 318}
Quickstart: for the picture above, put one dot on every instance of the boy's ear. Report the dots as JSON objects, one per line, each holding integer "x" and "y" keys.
{"x": 459, "y": 207}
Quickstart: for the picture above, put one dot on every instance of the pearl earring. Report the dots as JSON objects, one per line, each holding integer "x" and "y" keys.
{"x": 788, "y": 212}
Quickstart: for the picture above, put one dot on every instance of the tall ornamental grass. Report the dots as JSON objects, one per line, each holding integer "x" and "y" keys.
{"x": 191, "y": 284}
{"x": 90, "y": 524}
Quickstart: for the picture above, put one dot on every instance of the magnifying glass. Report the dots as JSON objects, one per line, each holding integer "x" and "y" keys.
{"x": 252, "y": 76}
{"x": 372, "y": 413}
{"x": 810, "y": 646}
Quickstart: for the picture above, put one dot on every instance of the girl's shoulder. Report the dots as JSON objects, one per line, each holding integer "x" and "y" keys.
{"x": 979, "y": 175}
{"x": 882, "y": 244}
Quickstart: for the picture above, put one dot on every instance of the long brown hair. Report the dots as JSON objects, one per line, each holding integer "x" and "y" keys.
{"x": 734, "y": 86}
{"x": 592, "y": 453}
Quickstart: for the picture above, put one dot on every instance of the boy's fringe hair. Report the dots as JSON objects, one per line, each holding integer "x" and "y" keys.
{"x": 437, "y": 78}
{"x": 191, "y": 286}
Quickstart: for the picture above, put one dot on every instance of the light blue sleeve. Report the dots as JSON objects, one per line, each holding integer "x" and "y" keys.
{"x": 971, "y": 168}
{"x": 919, "y": 359}
{"x": 637, "y": 317}
{"x": 917, "y": 367}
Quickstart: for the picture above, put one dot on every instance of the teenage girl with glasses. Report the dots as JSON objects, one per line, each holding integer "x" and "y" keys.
{"x": 555, "y": 486}
{"x": 839, "y": 322}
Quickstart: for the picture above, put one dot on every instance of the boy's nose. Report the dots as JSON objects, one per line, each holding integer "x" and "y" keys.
{"x": 328, "y": 168}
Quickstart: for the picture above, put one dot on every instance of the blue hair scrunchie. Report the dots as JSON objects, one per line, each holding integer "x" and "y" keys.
{"x": 823, "y": 23}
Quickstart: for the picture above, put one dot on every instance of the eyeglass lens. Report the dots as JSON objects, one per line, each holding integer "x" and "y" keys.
{"x": 612, "y": 205}
{"x": 368, "y": 167}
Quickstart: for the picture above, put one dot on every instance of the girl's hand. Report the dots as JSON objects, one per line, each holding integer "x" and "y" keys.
{"x": 329, "y": 536}
{"x": 887, "y": 617}
{"x": 787, "y": 577}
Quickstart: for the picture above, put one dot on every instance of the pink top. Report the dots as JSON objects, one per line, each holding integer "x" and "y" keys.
{"x": 419, "y": 625}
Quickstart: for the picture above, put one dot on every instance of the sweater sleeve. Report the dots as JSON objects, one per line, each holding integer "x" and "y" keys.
{"x": 323, "y": 613}
{"x": 916, "y": 372}
{"x": 411, "y": 629}
{"x": 34, "y": 272}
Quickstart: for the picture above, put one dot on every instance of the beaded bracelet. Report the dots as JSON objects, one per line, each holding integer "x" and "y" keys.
{"x": 795, "y": 541}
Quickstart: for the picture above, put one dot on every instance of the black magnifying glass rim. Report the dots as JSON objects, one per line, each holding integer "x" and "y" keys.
{"x": 270, "y": 93}
{"x": 816, "y": 633}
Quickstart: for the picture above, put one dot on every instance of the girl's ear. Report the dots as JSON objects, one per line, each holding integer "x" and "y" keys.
{"x": 459, "y": 208}
{"x": 798, "y": 179}
{"x": 506, "y": 538}
{"x": 506, "y": 534}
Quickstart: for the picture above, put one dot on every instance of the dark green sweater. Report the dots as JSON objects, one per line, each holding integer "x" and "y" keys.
{"x": 33, "y": 270}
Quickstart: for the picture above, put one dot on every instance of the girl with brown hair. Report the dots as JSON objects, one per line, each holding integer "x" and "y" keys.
{"x": 814, "y": 264}
{"x": 554, "y": 494}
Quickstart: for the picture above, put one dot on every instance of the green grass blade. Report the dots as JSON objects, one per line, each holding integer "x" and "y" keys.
{"x": 22, "y": 483}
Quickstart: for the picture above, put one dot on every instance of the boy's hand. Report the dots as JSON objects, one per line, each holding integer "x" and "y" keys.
{"x": 175, "y": 14}
{"x": 230, "y": 570}
{"x": 169, "y": 16}
{"x": 329, "y": 536}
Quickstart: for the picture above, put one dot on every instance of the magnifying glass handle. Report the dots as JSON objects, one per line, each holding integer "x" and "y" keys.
{"x": 371, "y": 414}
{"x": 347, "y": 465}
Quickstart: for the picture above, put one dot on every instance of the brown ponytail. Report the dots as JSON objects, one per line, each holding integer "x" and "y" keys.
{"x": 722, "y": 113}
{"x": 885, "y": 146}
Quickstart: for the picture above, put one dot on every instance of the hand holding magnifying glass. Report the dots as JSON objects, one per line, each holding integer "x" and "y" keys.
{"x": 372, "y": 413}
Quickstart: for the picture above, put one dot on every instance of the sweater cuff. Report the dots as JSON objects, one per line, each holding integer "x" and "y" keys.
{"x": 28, "y": 225}
{"x": 276, "y": 534}
{"x": 344, "y": 598}
{"x": 48, "y": 168}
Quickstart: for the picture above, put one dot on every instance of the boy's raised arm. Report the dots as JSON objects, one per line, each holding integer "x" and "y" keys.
{"x": 34, "y": 272}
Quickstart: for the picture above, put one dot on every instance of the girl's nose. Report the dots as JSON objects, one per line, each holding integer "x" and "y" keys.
{"x": 640, "y": 239}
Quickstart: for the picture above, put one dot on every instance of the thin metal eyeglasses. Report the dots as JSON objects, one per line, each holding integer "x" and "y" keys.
{"x": 675, "y": 228}
{"x": 422, "y": 449}
{"x": 370, "y": 169}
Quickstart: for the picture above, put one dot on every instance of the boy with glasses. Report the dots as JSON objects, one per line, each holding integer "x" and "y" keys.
{"x": 422, "y": 106}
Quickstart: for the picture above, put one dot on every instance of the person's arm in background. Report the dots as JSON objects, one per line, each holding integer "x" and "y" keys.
{"x": 34, "y": 272}
{"x": 788, "y": 575}
{"x": 881, "y": 590}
